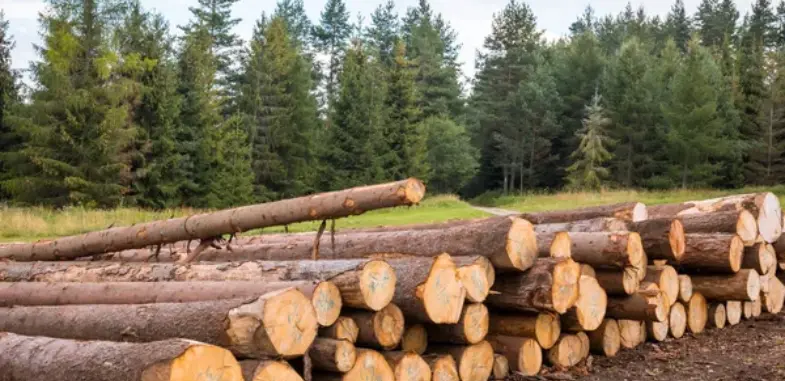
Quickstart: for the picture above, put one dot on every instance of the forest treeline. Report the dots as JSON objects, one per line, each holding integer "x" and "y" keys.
{"x": 122, "y": 108}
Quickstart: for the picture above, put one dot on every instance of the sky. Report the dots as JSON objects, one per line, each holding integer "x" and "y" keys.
{"x": 470, "y": 18}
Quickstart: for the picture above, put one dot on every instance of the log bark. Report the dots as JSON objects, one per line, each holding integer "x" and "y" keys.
{"x": 415, "y": 339}
{"x": 646, "y": 304}
{"x": 370, "y": 365}
{"x": 475, "y": 362}
{"x": 501, "y": 367}
{"x": 332, "y": 355}
{"x": 443, "y": 367}
{"x": 363, "y": 283}
{"x": 657, "y": 331}
{"x": 608, "y": 250}
{"x": 477, "y": 275}
{"x": 774, "y": 299}
{"x": 667, "y": 279}
{"x": 627, "y": 211}
{"x": 551, "y": 285}
{"x": 595, "y": 225}
{"x": 379, "y": 329}
{"x": 268, "y": 370}
{"x": 567, "y": 352}
{"x": 324, "y": 296}
{"x": 208, "y": 225}
{"x": 717, "y": 316}
{"x": 744, "y": 285}
{"x": 524, "y": 354}
{"x": 543, "y": 327}
{"x": 734, "y": 309}
{"x": 408, "y": 366}
{"x": 697, "y": 313}
{"x": 606, "y": 339}
{"x": 685, "y": 288}
{"x": 618, "y": 282}
{"x": 717, "y": 253}
{"x": 739, "y": 222}
{"x": 765, "y": 207}
{"x": 345, "y": 328}
{"x": 631, "y": 333}
{"x": 280, "y": 323}
{"x": 589, "y": 311}
{"x": 428, "y": 290}
{"x": 761, "y": 258}
{"x": 25, "y": 358}
{"x": 663, "y": 238}
{"x": 677, "y": 320}
{"x": 554, "y": 245}
{"x": 470, "y": 329}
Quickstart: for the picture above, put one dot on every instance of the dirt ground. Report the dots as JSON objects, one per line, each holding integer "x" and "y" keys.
{"x": 753, "y": 350}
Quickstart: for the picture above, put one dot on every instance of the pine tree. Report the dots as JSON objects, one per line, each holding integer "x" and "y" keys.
{"x": 762, "y": 23}
{"x": 588, "y": 170}
{"x": 678, "y": 25}
{"x": 716, "y": 21}
{"x": 230, "y": 178}
{"x": 279, "y": 112}
{"x": 9, "y": 99}
{"x": 383, "y": 32}
{"x": 451, "y": 156}
{"x": 215, "y": 18}
{"x": 298, "y": 26}
{"x": 331, "y": 37}
{"x": 752, "y": 95}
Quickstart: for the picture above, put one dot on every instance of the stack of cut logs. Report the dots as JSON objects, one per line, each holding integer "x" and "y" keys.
{"x": 185, "y": 299}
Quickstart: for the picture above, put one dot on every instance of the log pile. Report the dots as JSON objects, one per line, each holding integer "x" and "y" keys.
{"x": 460, "y": 300}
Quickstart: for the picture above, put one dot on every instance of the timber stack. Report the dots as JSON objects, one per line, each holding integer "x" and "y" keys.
{"x": 458, "y": 300}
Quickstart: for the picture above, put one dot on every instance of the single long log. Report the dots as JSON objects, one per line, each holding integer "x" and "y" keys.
{"x": 717, "y": 316}
{"x": 477, "y": 275}
{"x": 567, "y": 352}
{"x": 501, "y": 367}
{"x": 739, "y": 222}
{"x": 543, "y": 327}
{"x": 525, "y": 354}
{"x": 744, "y": 285}
{"x": 470, "y": 329}
{"x": 443, "y": 367}
{"x": 677, "y": 320}
{"x": 606, "y": 339}
{"x": 268, "y": 370}
{"x": 408, "y": 366}
{"x": 551, "y": 285}
{"x": 475, "y": 362}
{"x": 645, "y": 305}
{"x": 734, "y": 309}
{"x": 667, "y": 279}
{"x": 697, "y": 313}
{"x": 415, "y": 339}
{"x": 663, "y": 238}
{"x": 608, "y": 249}
{"x": 363, "y": 283}
{"x": 380, "y": 329}
{"x": 429, "y": 290}
{"x": 685, "y": 288}
{"x": 554, "y": 245}
{"x": 595, "y": 225}
{"x": 718, "y": 253}
{"x": 627, "y": 211}
{"x": 618, "y": 282}
{"x": 26, "y": 358}
{"x": 280, "y": 323}
{"x": 589, "y": 309}
{"x": 229, "y": 221}
{"x": 765, "y": 207}
{"x": 325, "y": 297}
{"x": 332, "y": 355}
{"x": 773, "y": 300}
{"x": 344, "y": 328}
{"x": 761, "y": 258}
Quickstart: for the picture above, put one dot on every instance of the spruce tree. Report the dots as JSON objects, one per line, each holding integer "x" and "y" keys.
{"x": 298, "y": 26}
{"x": 215, "y": 18}
{"x": 230, "y": 178}
{"x": 588, "y": 170}
{"x": 752, "y": 95}
{"x": 451, "y": 156}
{"x": 678, "y": 25}
{"x": 331, "y": 37}
{"x": 382, "y": 34}
{"x": 9, "y": 99}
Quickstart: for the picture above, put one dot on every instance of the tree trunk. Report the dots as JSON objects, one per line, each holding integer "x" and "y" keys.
{"x": 268, "y": 370}
{"x": 501, "y": 367}
{"x": 408, "y": 366}
{"x": 765, "y": 207}
{"x": 345, "y": 328}
{"x": 631, "y": 333}
{"x": 524, "y": 354}
{"x": 744, "y": 285}
{"x": 697, "y": 313}
{"x": 589, "y": 310}
{"x": 551, "y": 285}
{"x": 363, "y": 283}
{"x": 618, "y": 282}
{"x": 761, "y": 258}
{"x": 606, "y": 339}
{"x": 567, "y": 352}
{"x": 382, "y": 329}
{"x": 626, "y": 211}
{"x": 717, "y": 316}
{"x": 324, "y": 296}
{"x": 470, "y": 329}
{"x": 370, "y": 365}
{"x": 663, "y": 238}
{"x": 554, "y": 245}
{"x": 596, "y": 225}
{"x": 645, "y": 305}
{"x": 667, "y": 279}
{"x": 280, "y": 323}
{"x": 25, "y": 358}
{"x": 739, "y": 222}
{"x": 734, "y": 310}
{"x": 677, "y": 320}
{"x": 415, "y": 339}
{"x": 475, "y": 362}
{"x": 443, "y": 367}
{"x": 476, "y": 275}
{"x": 609, "y": 250}
{"x": 685, "y": 288}
{"x": 719, "y": 253}
{"x": 332, "y": 355}
{"x": 544, "y": 327}
{"x": 428, "y": 290}
{"x": 229, "y": 221}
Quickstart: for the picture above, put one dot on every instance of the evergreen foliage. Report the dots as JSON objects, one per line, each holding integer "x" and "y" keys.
{"x": 9, "y": 100}
{"x": 331, "y": 37}
{"x": 588, "y": 170}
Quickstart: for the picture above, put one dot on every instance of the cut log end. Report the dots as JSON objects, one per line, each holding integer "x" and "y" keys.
{"x": 475, "y": 362}
{"x": 566, "y": 277}
{"x": 475, "y": 320}
{"x": 263, "y": 371}
{"x": 606, "y": 340}
{"x": 332, "y": 355}
{"x": 733, "y": 308}
{"x": 475, "y": 281}
{"x": 408, "y": 366}
{"x": 561, "y": 247}
{"x": 521, "y": 245}
{"x": 631, "y": 332}
{"x": 587, "y": 270}
{"x": 412, "y": 192}
{"x": 657, "y": 330}
{"x": 746, "y": 308}
{"x": 547, "y": 330}
{"x": 289, "y": 321}
{"x": 773, "y": 299}
{"x": 567, "y": 352}
{"x": 501, "y": 367}
{"x": 677, "y": 239}
{"x": 640, "y": 212}
{"x": 585, "y": 344}
{"x": 415, "y": 339}
{"x": 697, "y": 313}
{"x": 345, "y": 328}
{"x": 685, "y": 288}
{"x": 624, "y": 282}
{"x": 717, "y": 316}
{"x": 592, "y": 303}
{"x": 443, "y": 367}
{"x": 196, "y": 363}
{"x": 677, "y": 320}
{"x": 770, "y": 218}
{"x": 388, "y": 326}
{"x": 747, "y": 227}
{"x": 326, "y": 300}
{"x": 377, "y": 284}
{"x": 736, "y": 253}
{"x": 529, "y": 359}
{"x": 442, "y": 294}
{"x": 370, "y": 365}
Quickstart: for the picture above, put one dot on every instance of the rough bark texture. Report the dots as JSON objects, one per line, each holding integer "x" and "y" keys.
{"x": 663, "y": 238}
{"x": 606, "y": 339}
{"x": 408, "y": 366}
{"x": 415, "y": 339}
{"x": 475, "y": 362}
{"x": 544, "y": 327}
{"x": 761, "y": 258}
{"x": 281, "y": 323}
{"x": 618, "y": 282}
{"x": 205, "y": 226}
{"x": 717, "y": 253}
{"x": 381, "y": 329}
{"x": 344, "y": 328}
{"x": 685, "y": 288}
{"x": 551, "y": 285}
{"x": 332, "y": 355}
{"x": 589, "y": 310}
{"x": 697, "y": 313}
{"x": 594, "y": 225}
{"x": 667, "y": 279}
{"x": 470, "y": 329}
{"x": 739, "y": 222}
{"x": 524, "y": 354}
{"x": 554, "y": 245}
{"x": 717, "y": 316}
{"x": 567, "y": 352}
{"x": 744, "y": 285}
{"x": 25, "y": 358}
{"x": 627, "y": 211}
{"x": 268, "y": 370}
{"x": 645, "y": 305}
{"x": 608, "y": 249}
{"x": 501, "y": 367}
{"x": 632, "y": 333}
{"x": 677, "y": 320}
{"x": 429, "y": 290}
{"x": 443, "y": 367}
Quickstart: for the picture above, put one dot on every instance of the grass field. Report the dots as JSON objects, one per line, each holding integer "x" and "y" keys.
{"x": 29, "y": 224}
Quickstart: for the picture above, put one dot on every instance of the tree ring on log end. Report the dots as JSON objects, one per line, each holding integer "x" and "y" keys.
{"x": 747, "y": 227}
{"x": 345, "y": 355}
{"x": 370, "y": 365}
{"x": 677, "y": 320}
{"x": 736, "y": 253}
{"x": 414, "y": 191}
{"x": 547, "y": 329}
{"x": 326, "y": 301}
{"x": 638, "y": 259}
{"x": 564, "y": 291}
{"x": 290, "y": 322}
{"x": 611, "y": 338}
{"x": 640, "y": 212}
{"x": 697, "y": 313}
{"x": 415, "y": 339}
{"x": 271, "y": 371}
{"x": 591, "y": 304}
{"x": 561, "y": 247}
{"x": 377, "y": 284}
{"x": 442, "y": 293}
{"x": 199, "y": 362}
{"x": 530, "y": 358}
{"x": 676, "y": 239}
{"x": 476, "y": 363}
{"x": 475, "y": 322}
{"x": 753, "y": 285}
{"x": 474, "y": 279}
{"x": 770, "y": 218}
{"x": 521, "y": 244}
{"x": 388, "y": 326}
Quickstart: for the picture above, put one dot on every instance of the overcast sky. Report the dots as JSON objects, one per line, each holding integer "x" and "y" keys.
{"x": 470, "y": 18}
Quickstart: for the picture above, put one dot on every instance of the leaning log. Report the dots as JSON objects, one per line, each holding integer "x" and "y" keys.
{"x": 627, "y": 211}
{"x": 206, "y": 226}
{"x": 524, "y": 354}
{"x": 470, "y": 329}
{"x": 429, "y": 290}
{"x": 475, "y": 362}
{"x": 378, "y": 329}
{"x": 25, "y": 358}
{"x": 663, "y": 238}
{"x": 589, "y": 309}
{"x": 268, "y": 370}
{"x": 718, "y": 253}
{"x": 606, "y": 339}
{"x": 744, "y": 285}
{"x": 761, "y": 258}
{"x": 739, "y": 222}
{"x": 543, "y": 327}
{"x": 280, "y": 323}
{"x": 550, "y": 285}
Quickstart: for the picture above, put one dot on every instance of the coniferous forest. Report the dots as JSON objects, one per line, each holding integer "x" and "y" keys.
{"x": 122, "y": 108}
